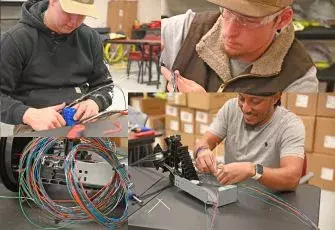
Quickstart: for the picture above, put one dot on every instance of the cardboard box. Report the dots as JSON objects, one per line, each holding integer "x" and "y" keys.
{"x": 324, "y": 141}
{"x": 323, "y": 167}
{"x": 209, "y": 101}
{"x": 187, "y": 115}
{"x": 121, "y": 15}
{"x": 156, "y": 122}
{"x": 200, "y": 128}
{"x": 149, "y": 106}
{"x": 177, "y": 99}
{"x": 326, "y": 105}
{"x": 172, "y": 123}
{"x": 186, "y": 139}
{"x": 203, "y": 117}
{"x": 187, "y": 128}
{"x": 218, "y": 150}
{"x": 172, "y": 111}
{"x": 171, "y": 133}
{"x": 124, "y": 142}
{"x": 309, "y": 122}
{"x": 302, "y": 104}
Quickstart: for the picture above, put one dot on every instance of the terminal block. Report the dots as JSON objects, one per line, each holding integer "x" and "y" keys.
{"x": 177, "y": 160}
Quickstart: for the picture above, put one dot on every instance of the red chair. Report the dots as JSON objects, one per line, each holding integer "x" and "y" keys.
{"x": 142, "y": 57}
{"x": 135, "y": 57}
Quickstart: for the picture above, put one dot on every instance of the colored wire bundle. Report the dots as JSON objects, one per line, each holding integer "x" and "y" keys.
{"x": 273, "y": 200}
{"x": 107, "y": 206}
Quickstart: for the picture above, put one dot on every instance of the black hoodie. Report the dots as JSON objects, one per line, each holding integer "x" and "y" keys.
{"x": 40, "y": 68}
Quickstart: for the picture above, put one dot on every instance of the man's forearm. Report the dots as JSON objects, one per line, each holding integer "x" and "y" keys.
{"x": 11, "y": 110}
{"x": 280, "y": 178}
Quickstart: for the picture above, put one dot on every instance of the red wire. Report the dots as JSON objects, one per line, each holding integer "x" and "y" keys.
{"x": 116, "y": 130}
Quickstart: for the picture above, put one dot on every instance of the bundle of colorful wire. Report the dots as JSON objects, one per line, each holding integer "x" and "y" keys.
{"x": 107, "y": 206}
{"x": 273, "y": 200}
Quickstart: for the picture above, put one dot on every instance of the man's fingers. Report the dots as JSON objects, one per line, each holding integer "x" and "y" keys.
{"x": 79, "y": 113}
{"x": 56, "y": 124}
{"x": 51, "y": 125}
{"x": 221, "y": 174}
{"x": 58, "y": 107}
{"x": 208, "y": 164}
{"x": 55, "y": 120}
{"x": 233, "y": 180}
{"x": 166, "y": 73}
{"x": 224, "y": 180}
{"x": 204, "y": 165}
{"x": 76, "y": 106}
{"x": 213, "y": 160}
{"x": 60, "y": 119}
{"x": 169, "y": 87}
{"x": 223, "y": 177}
{"x": 182, "y": 86}
{"x": 178, "y": 76}
{"x": 199, "y": 164}
{"x": 87, "y": 113}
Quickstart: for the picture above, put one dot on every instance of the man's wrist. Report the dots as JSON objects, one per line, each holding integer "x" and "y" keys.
{"x": 25, "y": 117}
{"x": 198, "y": 150}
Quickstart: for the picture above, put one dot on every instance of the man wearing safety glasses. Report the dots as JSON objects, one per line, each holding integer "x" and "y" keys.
{"x": 248, "y": 45}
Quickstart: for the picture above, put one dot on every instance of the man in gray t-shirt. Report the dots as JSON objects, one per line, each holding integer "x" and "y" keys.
{"x": 263, "y": 141}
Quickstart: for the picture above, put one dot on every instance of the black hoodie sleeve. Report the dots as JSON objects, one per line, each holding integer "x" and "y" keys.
{"x": 11, "y": 65}
{"x": 100, "y": 75}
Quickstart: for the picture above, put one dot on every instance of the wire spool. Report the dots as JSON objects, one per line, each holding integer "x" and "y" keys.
{"x": 107, "y": 206}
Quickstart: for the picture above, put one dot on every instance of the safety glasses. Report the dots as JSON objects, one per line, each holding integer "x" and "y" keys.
{"x": 247, "y": 22}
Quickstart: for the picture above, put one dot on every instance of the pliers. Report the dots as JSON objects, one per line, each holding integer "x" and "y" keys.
{"x": 174, "y": 82}
{"x": 173, "y": 79}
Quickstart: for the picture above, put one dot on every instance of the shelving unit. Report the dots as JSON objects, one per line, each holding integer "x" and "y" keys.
{"x": 316, "y": 33}
{"x": 321, "y": 33}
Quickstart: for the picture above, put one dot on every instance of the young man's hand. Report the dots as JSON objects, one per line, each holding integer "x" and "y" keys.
{"x": 85, "y": 109}
{"x": 45, "y": 118}
{"x": 184, "y": 85}
{"x": 206, "y": 161}
{"x": 235, "y": 172}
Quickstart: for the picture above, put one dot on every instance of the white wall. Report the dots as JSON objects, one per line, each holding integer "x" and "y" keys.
{"x": 174, "y": 7}
{"x": 148, "y": 10}
{"x": 102, "y": 6}
{"x": 164, "y": 8}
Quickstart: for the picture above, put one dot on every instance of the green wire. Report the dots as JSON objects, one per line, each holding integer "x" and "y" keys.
{"x": 15, "y": 197}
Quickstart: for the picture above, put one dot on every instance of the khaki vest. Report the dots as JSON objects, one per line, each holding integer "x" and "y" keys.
{"x": 202, "y": 60}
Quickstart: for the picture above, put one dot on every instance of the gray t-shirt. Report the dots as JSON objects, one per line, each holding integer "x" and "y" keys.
{"x": 283, "y": 135}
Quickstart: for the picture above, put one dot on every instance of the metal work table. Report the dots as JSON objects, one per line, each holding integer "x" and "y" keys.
{"x": 187, "y": 212}
{"x": 94, "y": 129}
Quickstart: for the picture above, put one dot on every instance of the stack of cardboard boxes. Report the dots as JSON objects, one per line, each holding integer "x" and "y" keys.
{"x": 154, "y": 108}
{"x": 317, "y": 111}
{"x": 189, "y": 115}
